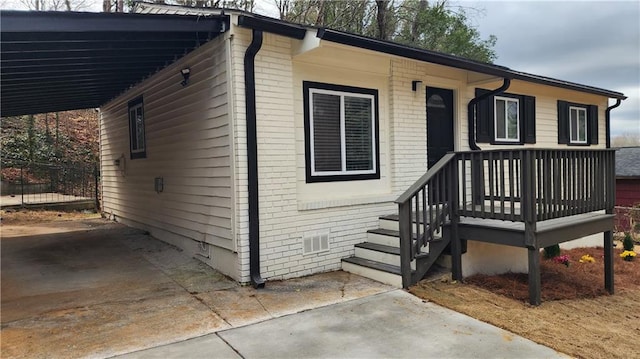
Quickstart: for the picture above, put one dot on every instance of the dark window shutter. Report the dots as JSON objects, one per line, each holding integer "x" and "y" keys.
{"x": 563, "y": 122}
{"x": 484, "y": 118}
{"x": 592, "y": 124}
{"x": 528, "y": 122}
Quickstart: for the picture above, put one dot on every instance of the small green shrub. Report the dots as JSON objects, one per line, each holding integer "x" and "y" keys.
{"x": 552, "y": 251}
{"x": 627, "y": 242}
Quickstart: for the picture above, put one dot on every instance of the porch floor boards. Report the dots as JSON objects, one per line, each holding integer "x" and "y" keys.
{"x": 549, "y": 232}
{"x": 542, "y": 226}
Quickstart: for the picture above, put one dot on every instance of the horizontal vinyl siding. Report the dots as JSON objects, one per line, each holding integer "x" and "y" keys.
{"x": 188, "y": 144}
{"x": 627, "y": 192}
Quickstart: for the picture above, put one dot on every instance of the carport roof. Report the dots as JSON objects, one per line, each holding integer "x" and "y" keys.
{"x": 56, "y": 61}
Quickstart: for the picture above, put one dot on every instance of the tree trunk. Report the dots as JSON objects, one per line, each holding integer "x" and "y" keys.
{"x": 31, "y": 138}
{"x": 415, "y": 33}
{"x": 57, "y": 130}
{"x": 381, "y": 19}
{"x": 46, "y": 127}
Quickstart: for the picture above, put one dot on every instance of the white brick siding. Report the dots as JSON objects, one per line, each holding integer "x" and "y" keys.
{"x": 291, "y": 208}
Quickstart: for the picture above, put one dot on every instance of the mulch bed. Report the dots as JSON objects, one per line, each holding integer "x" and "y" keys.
{"x": 577, "y": 281}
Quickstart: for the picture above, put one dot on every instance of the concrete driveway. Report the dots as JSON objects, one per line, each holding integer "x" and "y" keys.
{"x": 93, "y": 288}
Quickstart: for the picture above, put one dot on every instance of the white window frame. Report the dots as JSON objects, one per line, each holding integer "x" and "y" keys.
{"x": 135, "y": 146}
{"x": 343, "y": 159}
{"x": 586, "y": 125}
{"x": 506, "y": 120}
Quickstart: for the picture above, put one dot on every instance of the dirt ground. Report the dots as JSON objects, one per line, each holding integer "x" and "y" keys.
{"x": 26, "y": 217}
{"x": 577, "y": 316}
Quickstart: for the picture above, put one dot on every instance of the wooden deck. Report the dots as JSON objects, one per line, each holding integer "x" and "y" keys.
{"x": 549, "y": 232}
{"x": 529, "y": 198}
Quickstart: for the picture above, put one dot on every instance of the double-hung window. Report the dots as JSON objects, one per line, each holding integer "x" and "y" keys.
{"x": 578, "y": 124}
{"x": 341, "y": 132}
{"x": 507, "y": 119}
{"x": 136, "y": 129}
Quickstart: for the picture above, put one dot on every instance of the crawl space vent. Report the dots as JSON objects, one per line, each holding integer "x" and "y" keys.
{"x": 315, "y": 243}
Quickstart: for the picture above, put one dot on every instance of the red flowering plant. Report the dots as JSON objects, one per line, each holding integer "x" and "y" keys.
{"x": 563, "y": 259}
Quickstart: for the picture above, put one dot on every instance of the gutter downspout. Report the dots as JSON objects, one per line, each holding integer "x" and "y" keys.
{"x": 252, "y": 158}
{"x": 607, "y": 116}
{"x": 471, "y": 113}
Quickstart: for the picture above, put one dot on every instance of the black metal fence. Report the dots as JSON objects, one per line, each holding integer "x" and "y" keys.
{"x": 27, "y": 183}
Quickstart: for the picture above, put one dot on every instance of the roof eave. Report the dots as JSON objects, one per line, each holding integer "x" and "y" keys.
{"x": 272, "y": 25}
{"x": 455, "y": 61}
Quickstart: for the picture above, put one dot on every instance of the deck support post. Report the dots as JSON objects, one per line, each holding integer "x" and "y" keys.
{"x": 610, "y": 190}
{"x": 454, "y": 217}
{"x": 608, "y": 261}
{"x": 534, "y": 276}
{"x": 530, "y": 217}
{"x": 404, "y": 211}
{"x": 456, "y": 252}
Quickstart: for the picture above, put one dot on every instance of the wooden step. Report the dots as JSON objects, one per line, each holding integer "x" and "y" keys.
{"x": 382, "y": 236}
{"x": 378, "y": 253}
{"x": 381, "y": 272}
{"x": 393, "y": 250}
{"x": 389, "y": 237}
{"x": 390, "y": 222}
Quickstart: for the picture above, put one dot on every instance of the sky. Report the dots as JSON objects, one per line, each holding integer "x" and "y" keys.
{"x": 594, "y": 43}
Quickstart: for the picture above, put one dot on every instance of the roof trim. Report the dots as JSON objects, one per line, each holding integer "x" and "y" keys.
{"x": 73, "y": 22}
{"x": 272, "y": 25}
{"x": 455, "y": 61}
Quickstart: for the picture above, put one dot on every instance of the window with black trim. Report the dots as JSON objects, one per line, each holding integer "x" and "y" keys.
{"x": 341, "y": 132}
{"x": 505, "y": 119}
{"x": 136, "y": 129}
{"x": 577, "y": 124}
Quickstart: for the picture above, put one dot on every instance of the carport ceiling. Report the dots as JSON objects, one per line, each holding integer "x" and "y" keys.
{"x": 56, "y": 61}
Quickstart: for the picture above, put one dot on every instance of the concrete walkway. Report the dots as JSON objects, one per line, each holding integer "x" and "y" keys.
{"x": 393, "y": 324}
{"x": 92, "y": 288}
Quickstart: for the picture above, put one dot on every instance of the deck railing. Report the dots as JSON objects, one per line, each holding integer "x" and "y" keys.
{"x": 536, "y": 184}
{"x": 523, "y": 185}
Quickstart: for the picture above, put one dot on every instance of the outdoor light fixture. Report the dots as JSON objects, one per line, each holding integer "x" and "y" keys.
{"x": 416, "y": 85}
{"x": 158, "y": 184}
{"x": 185, "y": 75}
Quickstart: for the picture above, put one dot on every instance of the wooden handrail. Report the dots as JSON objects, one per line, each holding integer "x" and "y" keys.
{"x": 422, "y": 181}
{"x": 423, "y": 210}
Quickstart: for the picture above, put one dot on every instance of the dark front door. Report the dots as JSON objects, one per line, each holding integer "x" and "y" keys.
{"x": 439, "y": 124}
